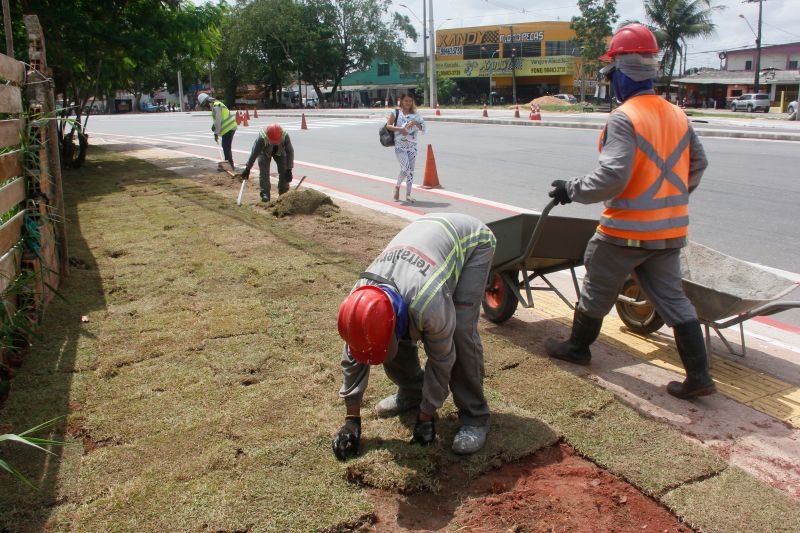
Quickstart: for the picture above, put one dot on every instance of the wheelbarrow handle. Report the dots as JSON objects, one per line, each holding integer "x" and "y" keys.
{"x": 537, "y": 230}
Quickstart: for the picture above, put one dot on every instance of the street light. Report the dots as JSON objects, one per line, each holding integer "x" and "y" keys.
{"x": 483, "y": 48}
{"x": 513, "y": 66}
{"x": 758, "y": 46}
{"x": 425, "y": 96}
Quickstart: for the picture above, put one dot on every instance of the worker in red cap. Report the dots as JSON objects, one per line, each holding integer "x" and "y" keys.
{"x": 427, "y": 286}
{"x": 650, "y": 161}
{"x": 272, "y": 143}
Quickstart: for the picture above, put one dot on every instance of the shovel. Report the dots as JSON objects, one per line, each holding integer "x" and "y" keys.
{"x": 224, "y": 165}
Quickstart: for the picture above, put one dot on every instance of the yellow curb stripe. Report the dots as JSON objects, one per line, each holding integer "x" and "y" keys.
{"x": 760, "y": 391}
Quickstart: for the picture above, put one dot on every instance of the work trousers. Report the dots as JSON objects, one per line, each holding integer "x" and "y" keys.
{"x": 263, "y": 173}
{"x": 467, "y": 374}
{"x": 407, "y": 157}
{"x": 227, "y": 141}
{"x": 657, "y": 271}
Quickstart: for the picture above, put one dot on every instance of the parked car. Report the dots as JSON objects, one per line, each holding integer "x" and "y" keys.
{"x": 751, "y": 103}
{"x": 149, "y": 107}
{"x": 792, "y": 107}
{"x": 570, "y": 99}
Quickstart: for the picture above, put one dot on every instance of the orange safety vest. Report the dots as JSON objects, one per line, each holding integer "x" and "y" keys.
{"x": 655, "y": 203}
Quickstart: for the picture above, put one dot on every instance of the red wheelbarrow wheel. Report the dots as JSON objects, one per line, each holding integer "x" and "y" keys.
{"x": 642, "y": 318}
{"x": 499, "y": 300}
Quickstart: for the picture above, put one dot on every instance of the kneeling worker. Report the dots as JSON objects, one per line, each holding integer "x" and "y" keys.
{"x": 426, "y": 285}
{"x": 650, "y": 160}
{"x": 272, "y": 143}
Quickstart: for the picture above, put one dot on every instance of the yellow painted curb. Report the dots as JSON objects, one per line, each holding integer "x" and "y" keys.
{"x": 760, "y": 391}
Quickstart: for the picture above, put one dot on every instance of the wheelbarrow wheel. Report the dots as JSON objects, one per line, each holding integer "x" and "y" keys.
{"x": 643, "y": 318}
{"x": 499, "y": 300}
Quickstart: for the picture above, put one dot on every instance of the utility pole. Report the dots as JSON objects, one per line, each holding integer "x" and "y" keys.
{"x": 180, "y": 89}
{"x": 756, "y": 84}
{"x": 432, "y": 84}
{"x": 513, "y": 66}
{"x": 426, "y": 98}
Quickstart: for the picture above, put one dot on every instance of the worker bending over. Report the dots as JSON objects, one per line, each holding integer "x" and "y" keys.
{"x": 272, "y": 143}
{"x": 426, "y": 285}
{"x": 650, "y": 160}
{"x": 223, "y": 124}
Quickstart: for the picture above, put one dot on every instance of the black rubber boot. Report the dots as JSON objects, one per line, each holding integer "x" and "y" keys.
{"x": 692, "y": 349}
{"x": 585, "y": 330}
{"x": 264, "y": 197}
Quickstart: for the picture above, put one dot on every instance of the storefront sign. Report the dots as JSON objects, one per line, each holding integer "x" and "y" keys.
{"x": 450, "y": 51}
{"x": 524, "y": 37}
{"x": 524, "y": 66}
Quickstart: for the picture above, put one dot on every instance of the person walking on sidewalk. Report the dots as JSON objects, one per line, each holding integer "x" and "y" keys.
{"x": 272, "y": 143}
{"x": 426, "y": 285}
{"x": 650, "y": 161}
{"x": 405, "y": 122}
{"x": 223, "y": 124}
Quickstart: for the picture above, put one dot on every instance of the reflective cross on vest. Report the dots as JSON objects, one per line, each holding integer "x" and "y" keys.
{"x": 655, "y": 203}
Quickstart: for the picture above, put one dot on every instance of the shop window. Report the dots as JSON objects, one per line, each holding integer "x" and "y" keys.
{"x": 793, "y": 64}
{"x": 481, "y": 51}
{"x": 523, "y": 49}
{"x": 748, "y": 65}
{"x": 736, "y": 93}
{"x": 383, "y": 69}
{"x": 561, "y": 48}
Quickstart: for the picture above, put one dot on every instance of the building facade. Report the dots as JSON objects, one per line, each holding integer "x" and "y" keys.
{"x": 778, "y": 76}
{"x": 380, "y": 82}
{"x": 486, "y": 61}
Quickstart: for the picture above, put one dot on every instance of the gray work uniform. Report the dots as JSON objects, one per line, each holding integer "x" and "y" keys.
{"x": 282, "y": 153}
{"x": 439, "y": 264}
{"x": 609, "y": 260}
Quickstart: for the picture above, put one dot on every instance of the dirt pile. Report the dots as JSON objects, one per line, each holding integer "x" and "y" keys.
{"x": 549, "y": 100}
{"x": 305, "y": 202}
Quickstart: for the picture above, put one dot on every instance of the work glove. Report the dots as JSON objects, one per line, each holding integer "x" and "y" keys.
{"x": 424, "y": 432}
{"x": 245, "y": 174}
{"x": 289, "y": 176}
{"x": 559, "y": 192}
{"x": 348, "y": 438}
{"x": 216, "y": 138}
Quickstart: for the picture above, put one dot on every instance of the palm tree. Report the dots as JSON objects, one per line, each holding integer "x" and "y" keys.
{"x": 674, "y": 21}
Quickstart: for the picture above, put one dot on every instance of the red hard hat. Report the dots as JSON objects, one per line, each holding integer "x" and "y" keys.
{"x": 274, "y": 133}
{"x": 366, "y": 323}
{"x": 631, "y": 39}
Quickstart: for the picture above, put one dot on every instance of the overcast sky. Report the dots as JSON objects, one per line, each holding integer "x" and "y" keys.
{"x": 781, "y": 22}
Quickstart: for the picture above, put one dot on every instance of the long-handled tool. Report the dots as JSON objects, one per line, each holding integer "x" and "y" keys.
{"x": 224, "y": 164}
{"x": 299, "y": 182}
{"x": 241, "y": 193}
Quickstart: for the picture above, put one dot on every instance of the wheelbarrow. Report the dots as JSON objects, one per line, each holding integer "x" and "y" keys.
{"x": 724, "y": 290}
{"x": 531, "y": 246}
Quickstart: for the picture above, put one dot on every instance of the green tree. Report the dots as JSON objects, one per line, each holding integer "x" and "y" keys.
{"x": 674, "y": 22}
{"x": 592, "y": 30}
{"x": 445, "y": 87}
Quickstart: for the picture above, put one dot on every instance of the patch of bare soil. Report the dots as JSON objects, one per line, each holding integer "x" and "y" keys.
{"x": 553, "y": 490}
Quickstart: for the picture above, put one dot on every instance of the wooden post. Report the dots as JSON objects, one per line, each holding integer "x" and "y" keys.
{"x": 40, "y": 94}
{"x": 8, "y": 29}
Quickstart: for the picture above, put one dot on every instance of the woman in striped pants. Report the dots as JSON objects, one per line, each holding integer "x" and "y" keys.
{"x": 408, "y": 123}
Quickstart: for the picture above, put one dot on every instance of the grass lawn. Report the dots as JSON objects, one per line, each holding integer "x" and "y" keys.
{"x": 200, "y": 389}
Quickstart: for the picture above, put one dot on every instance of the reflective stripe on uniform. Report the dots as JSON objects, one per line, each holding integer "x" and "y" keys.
{"x": 227, "y": 120}
{"x": 654, "y": 204}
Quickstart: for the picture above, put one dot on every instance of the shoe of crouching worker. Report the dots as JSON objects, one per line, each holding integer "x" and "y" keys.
{"x": 394, "y": 405}
{"x": 469, "y": 439}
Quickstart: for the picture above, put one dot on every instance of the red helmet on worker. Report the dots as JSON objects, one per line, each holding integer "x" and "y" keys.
{"x": 274, "y": 133}
{"x": 631, "y": 39}
{"x": 366, "y": 323}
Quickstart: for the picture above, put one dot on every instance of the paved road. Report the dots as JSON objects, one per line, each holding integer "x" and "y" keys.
{"x": 747, "y": 205}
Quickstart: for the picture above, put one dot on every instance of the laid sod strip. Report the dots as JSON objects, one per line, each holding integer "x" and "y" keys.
{"x": 201, "y": 385}
{"x": 734, "y": 501}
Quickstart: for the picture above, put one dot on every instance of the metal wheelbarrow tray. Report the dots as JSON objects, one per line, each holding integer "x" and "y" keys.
{"x": 535, "y": 246}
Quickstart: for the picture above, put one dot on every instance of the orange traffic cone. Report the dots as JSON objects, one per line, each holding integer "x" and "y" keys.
{"x": 247, "y": 114}
{"x": 516, "y": 112}
{"x": 255, "y": 113}
{"x": 431, "y": 180}
{"x": 245, "y": 120}
{"x": 438, "y": 111}
{"x": 535, "y": 113}
{"x": 238, "y": 118}
{"x": 485, "y": 112}
{"x": 303, "y": 125}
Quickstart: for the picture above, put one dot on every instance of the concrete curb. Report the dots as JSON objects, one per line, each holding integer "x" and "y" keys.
{"x": 730, "y": 134}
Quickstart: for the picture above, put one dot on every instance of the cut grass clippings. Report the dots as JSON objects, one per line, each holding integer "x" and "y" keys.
{"x": 201, "y": 393}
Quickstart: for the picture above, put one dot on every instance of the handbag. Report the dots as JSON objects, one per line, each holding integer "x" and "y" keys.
{"x": 387, "y": 137}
